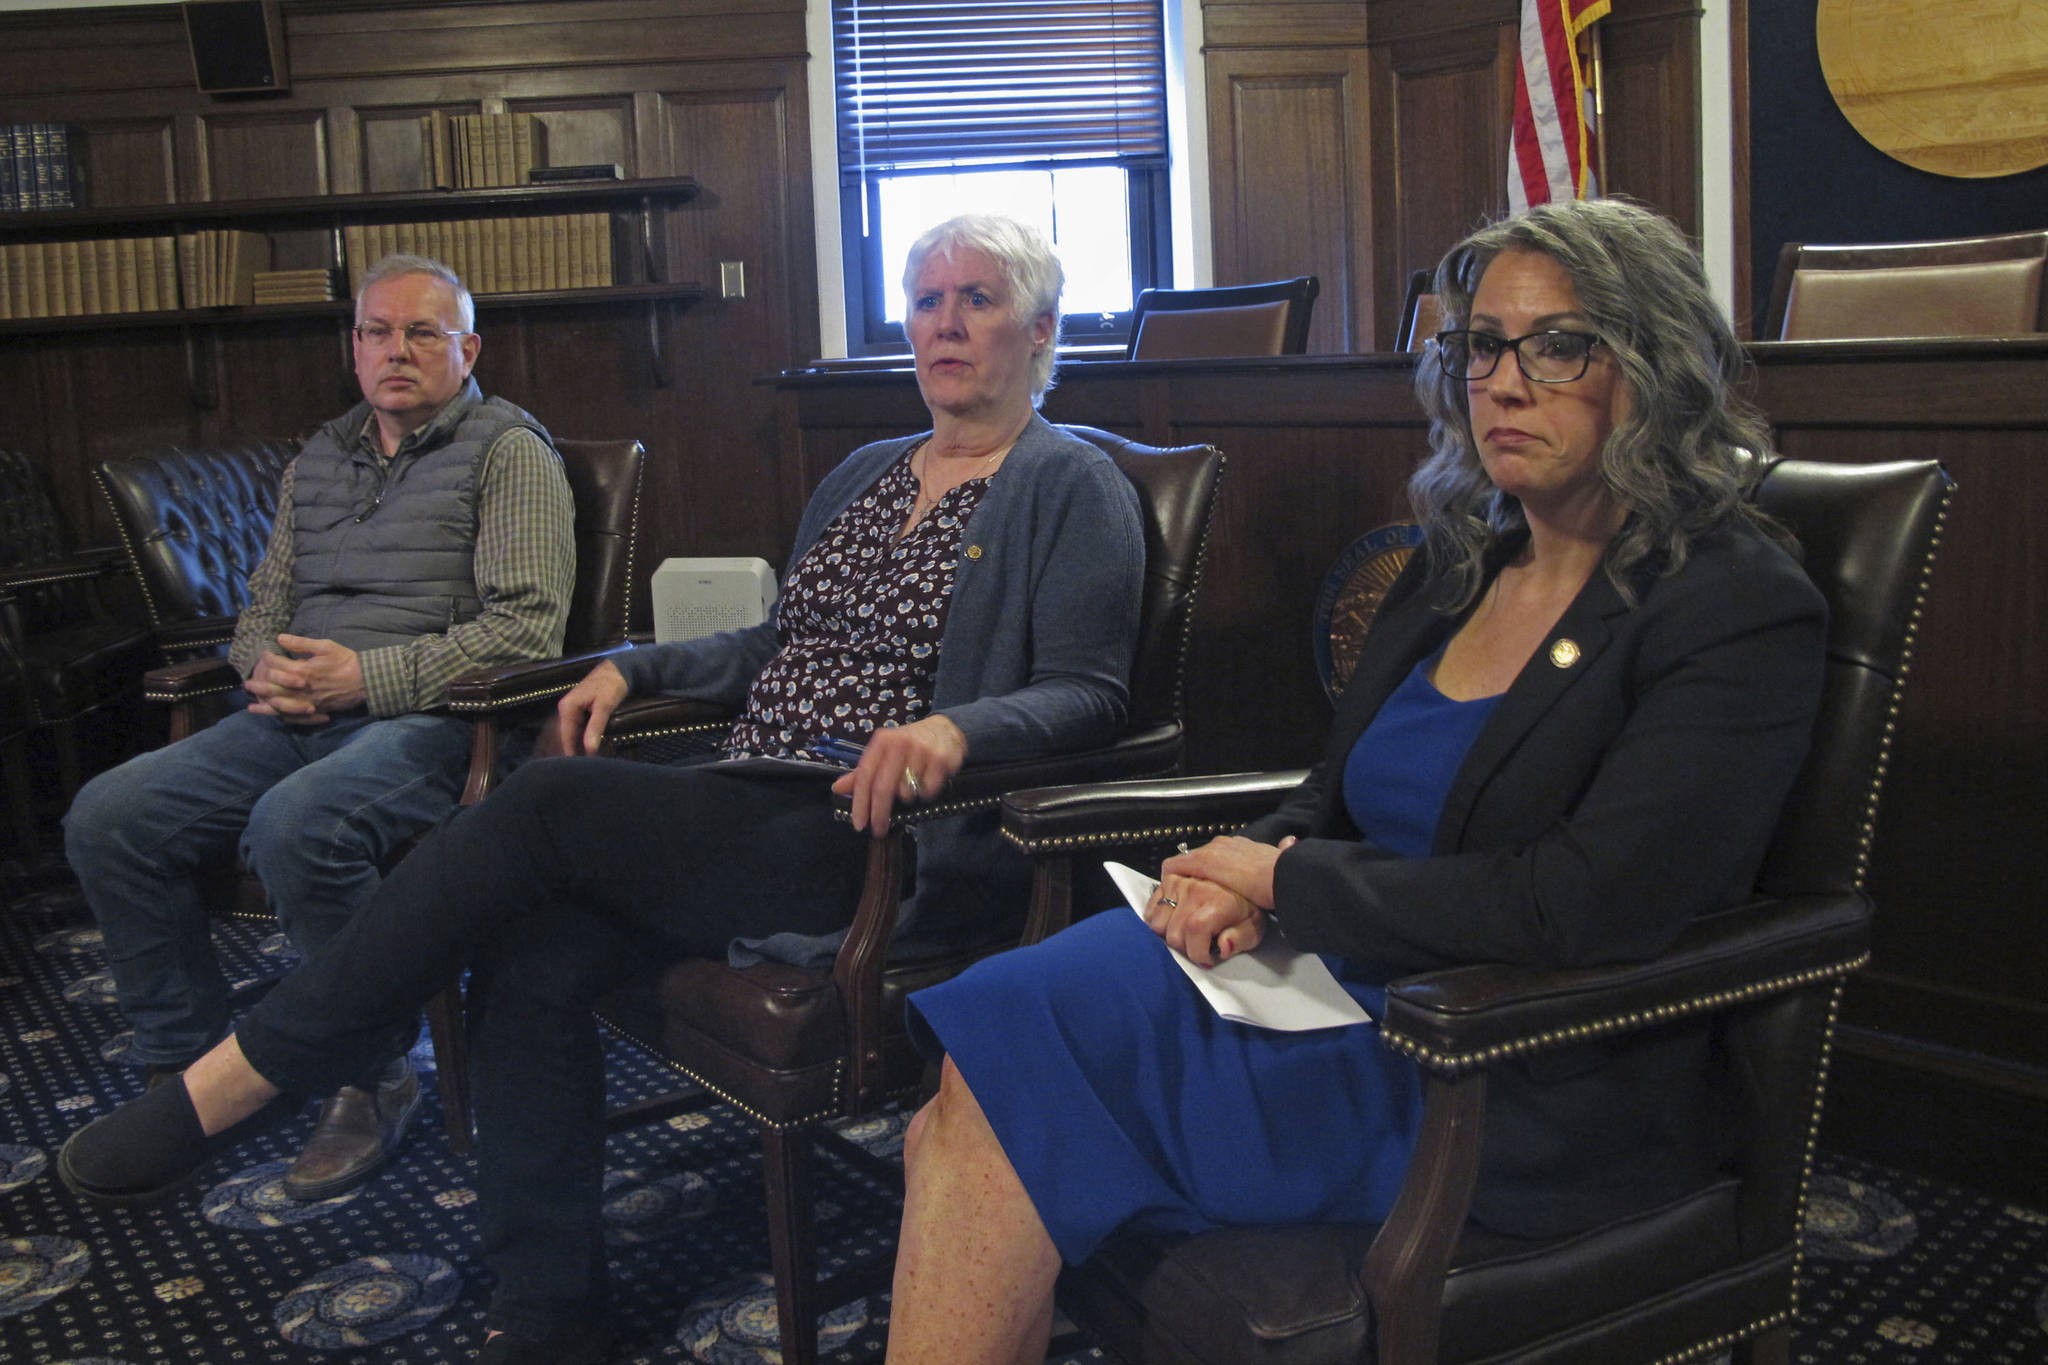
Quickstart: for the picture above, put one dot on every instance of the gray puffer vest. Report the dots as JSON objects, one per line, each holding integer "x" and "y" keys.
{"x": 385, "y": 549}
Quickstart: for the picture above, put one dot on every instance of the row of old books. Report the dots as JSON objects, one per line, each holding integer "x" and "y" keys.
{"x": 477, "y": 151}
{"x": 216, "y": 268}
{"x": 107, "y": 275}
{"x": 42, "y": 166}
{"x": 496, "y": 255}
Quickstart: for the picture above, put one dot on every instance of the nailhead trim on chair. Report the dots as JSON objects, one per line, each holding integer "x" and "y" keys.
{"x": 1187, "y": 625}
{"x": 703, "y": 727}
{"x": 1123, "y": 836}
{"x": 1868, "y": 835}
{"x": 188, "y": 694}
{"x": 1723, "y": 1341}
{"x": 1822, "y": 1067}
{"x": 141, "y": 580}
{"x": 1453, "y": 1063}
{"x": 462, "y": 707}
{"x": 1891, "y": 720}
{"x": 58, "y": 577}
{"x": 803, "y": 1121}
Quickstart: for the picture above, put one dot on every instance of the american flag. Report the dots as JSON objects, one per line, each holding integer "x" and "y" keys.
{"x": 1549, "y": 155}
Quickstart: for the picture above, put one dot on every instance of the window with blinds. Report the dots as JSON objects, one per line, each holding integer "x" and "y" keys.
{"x": 925, "y": 83}
{"x": 1053, "y": 111}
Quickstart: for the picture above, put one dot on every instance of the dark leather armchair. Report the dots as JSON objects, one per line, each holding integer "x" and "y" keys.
{"x": 1715, "y": 1269}
{"x": 1968, "y": 286}
{"x": 1232, "y": 320}
{"x": 196, "y": 523}
{"x": 67, "y": 617}
{"x": 793, "y": 1048}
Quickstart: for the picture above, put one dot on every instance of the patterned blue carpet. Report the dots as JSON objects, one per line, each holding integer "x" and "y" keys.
{"x": 1900, "y": 1269}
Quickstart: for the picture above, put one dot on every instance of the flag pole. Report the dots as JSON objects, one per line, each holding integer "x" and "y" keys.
{"x": 1596, "y": 81}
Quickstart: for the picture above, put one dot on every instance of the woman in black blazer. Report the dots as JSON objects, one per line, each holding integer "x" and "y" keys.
{"x": 1569, "y": 732}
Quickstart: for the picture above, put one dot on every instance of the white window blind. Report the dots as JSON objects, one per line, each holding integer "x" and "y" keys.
{"x": 925, "y": 83}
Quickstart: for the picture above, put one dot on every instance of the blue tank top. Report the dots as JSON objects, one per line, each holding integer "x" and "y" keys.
{"x": 1396, "y": 780}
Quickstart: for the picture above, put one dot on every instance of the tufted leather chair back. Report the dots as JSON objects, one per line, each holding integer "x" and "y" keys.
{"x": 195, "y": 523}
{"x": 1176, "y": 494}
{"x": 1869, "y": 533}
{"x": 604, "y": 480}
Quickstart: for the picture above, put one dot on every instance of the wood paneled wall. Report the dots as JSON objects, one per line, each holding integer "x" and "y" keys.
{"x": 663, "y": 87}
{"x": 1358, "y": 139}
{"x": 1355, "y": 139}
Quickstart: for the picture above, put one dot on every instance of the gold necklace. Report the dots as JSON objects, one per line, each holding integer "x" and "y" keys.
{"x": 925, "y": 502}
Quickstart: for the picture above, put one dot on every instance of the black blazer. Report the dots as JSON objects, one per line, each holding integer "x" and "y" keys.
{"x": 1628, "y": 781}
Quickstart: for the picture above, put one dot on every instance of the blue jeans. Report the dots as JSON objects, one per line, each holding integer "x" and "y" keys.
{"x": 315, "y": 811}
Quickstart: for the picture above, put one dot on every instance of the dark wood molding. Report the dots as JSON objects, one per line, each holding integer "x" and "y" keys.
{"x": 1738, "y": 157}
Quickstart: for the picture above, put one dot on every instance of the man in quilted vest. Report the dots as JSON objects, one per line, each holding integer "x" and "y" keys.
{"x": 425, "y": 534}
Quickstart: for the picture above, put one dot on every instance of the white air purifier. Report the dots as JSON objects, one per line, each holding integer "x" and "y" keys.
{"x": 694, "y": 597}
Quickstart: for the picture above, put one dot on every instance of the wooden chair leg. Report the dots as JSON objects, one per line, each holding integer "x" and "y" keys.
{"x": 1773, "y": 1347}
{"x": 451, "y": 1064}
{"x": 21, "y": 811}
{"x": 792, "y": 1241}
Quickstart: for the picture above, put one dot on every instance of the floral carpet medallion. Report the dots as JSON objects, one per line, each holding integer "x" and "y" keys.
{"x": 255, "y": 1198}
{"x": 364, "y": 1302}
{"x": 734, "y": 1323}
{"x": 34, "y": 1270}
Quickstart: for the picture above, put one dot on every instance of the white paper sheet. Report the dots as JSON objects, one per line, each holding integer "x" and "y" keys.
{"x": 1273, "y": 986}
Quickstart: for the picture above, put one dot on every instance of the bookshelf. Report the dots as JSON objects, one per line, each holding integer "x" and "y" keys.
{"x": 635, "y": 208}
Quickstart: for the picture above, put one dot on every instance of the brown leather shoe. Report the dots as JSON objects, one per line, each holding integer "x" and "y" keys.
{"x": 356, "y": 1130}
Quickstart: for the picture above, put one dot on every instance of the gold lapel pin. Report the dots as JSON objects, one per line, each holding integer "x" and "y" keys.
{"x": 1564, "y": 653}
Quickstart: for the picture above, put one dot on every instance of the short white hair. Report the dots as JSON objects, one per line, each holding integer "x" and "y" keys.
{"x": 1031, "y": 274}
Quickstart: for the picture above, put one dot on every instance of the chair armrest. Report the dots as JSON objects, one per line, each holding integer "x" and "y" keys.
{"x": 516, "y": 685}
{"x": 202, "y": 632}
{"x": 90, "y": 563}
{"x": 1055, "y": 819}
{"x": 192, "y": 678}
{"x": 981, "y": 786}
{"x": 1464, "y": 1017}
{"x": 639, "y": 719}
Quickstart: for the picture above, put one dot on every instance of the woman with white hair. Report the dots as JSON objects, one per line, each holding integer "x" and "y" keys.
{"x": 969, "y": 593}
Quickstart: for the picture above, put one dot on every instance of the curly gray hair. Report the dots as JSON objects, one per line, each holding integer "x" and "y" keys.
{"x": 1678, "y": 462}
{"x": 400, "y": 263}
{"x": 1031, "y": 274}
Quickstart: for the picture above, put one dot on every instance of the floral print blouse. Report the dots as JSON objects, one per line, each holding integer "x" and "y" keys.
{"x": 860, "y": 621}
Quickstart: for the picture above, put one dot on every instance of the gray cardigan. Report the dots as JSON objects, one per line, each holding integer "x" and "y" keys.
{"x": 1035, "y": 659}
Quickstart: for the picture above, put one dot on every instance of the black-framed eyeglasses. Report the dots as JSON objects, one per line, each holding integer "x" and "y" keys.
{"x": 1544, "y": 357}
{"x": 419, "y": 335}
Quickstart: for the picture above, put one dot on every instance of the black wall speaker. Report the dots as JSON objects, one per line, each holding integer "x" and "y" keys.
{"x": 237, "y": 45}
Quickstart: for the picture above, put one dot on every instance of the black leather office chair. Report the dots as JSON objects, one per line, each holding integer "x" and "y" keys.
{"x": 1715, "y": 1269}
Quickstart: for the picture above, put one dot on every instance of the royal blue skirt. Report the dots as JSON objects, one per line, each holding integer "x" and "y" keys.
{"x": 1126, "y": 1104}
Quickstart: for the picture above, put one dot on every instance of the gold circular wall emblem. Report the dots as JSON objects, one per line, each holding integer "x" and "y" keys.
{"x": 1958, "y": 88}
{"x": 1351, "y": 595}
